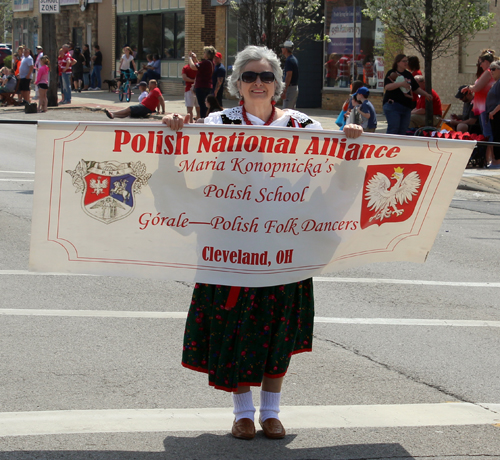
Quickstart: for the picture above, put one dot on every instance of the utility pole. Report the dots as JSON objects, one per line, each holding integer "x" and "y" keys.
{"x": 49, "y": 43}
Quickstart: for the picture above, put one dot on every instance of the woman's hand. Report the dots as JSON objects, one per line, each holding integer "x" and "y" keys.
{"x": 353, "y": 131}
{"x": 175, "y": 121}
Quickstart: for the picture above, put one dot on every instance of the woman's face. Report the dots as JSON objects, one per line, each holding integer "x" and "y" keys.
{"x": 207, "y": 103}
{"x": 495, "y": 73}
{"x": 257, "y": 92}
{"x": 403, "y": 64}
{"x": 484, "y": 64}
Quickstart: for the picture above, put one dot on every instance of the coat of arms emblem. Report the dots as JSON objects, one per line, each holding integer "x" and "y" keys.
{"x": 108, "y": 188}
{"x": 391, "y": 192}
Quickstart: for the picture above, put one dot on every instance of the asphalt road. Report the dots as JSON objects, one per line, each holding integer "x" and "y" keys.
{"x": 405, "y": 362}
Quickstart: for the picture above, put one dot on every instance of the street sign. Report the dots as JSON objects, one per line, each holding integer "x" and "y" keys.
{"x": 49, "y": 6}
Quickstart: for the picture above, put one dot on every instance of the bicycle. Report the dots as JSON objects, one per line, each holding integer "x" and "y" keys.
{"x": 126, "y": 87}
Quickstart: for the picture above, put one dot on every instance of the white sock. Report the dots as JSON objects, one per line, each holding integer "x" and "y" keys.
{"x": 243, "y": 406}
{"x": 269, "y": 405}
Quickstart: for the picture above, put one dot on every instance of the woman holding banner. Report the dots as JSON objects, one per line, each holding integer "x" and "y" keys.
{"x": 244, "y": 337}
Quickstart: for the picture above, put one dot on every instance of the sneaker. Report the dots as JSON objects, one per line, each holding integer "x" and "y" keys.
{"x": 91, "y": 89}
{"x": 97, "y": 88}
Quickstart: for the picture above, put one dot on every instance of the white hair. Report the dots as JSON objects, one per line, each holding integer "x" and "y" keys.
{"x": 256, "y": 53}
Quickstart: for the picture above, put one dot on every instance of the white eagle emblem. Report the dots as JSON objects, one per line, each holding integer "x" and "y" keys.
{"x": 97, "y": 186}
{"x": 383, "y": 199}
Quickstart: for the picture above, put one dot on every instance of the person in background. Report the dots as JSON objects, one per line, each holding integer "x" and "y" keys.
{"x": 77, "y": 69}
{"x": 189, "y": 76}
{"x": 480, "y": 88}
{"x": 147, "y": 106}
{"x": 245, "y": 336}
{"x": 203, "y": 82}
{"x": 8, "y": 87}
{"x": 366, "y": 109}
{"x": 467, "y": 121}
{"x": 398, "y": 100}
{"x": 39, "y": 55}
{"x": 127, "y": 66}
{"x": 414, "y": 65}
{"x": 417, "y": 119}
{"x": 153, "y": 69}
{"x": 42, "y": 82}
{"x": 493, "y": 111}
{"x": 368, "y": 70}
{"x": 144, "y": 68}
{"x": 25, "y": 74}
{"x": 291, "y": 91}
{"x": 218, "y": 77}
{"x": 96, "y": 69}
{"x": 332, "y": 69}
{"x": 66, "y": 73}
{"x": 212, "y": 104}
{"x": 86, "y": 67}
{"x": 143, "y": 88}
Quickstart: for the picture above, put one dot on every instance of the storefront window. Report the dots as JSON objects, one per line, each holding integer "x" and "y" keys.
{"x": 236, "y": 40}
{"x": 355, "y": 47}
{"x": 143, "y": 33}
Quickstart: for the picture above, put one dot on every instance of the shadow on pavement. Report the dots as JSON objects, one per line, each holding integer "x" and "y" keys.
{"x": 225, "y": 447}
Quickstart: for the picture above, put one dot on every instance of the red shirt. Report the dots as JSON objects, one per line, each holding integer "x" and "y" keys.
{"x": 344, "y": 62}
{"x": 436, "y": 104}
{"x": 204, "y": 76}
{"x": 151, "y": 102}
{"x": 190, "y": 73}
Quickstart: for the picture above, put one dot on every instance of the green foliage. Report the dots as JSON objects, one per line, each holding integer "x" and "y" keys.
{"x": 272, "y": 22}
{"x": 432, "y": 26}
{"x": 7, "y": 62}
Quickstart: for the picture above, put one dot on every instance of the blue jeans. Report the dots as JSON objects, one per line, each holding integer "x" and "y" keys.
{"x": 398, "y": 118}
{"x": 86, "y": 79}
{"x": 96, "y": 76}
{"x": 201, "y": 95}
{"x": 66, "y": 86}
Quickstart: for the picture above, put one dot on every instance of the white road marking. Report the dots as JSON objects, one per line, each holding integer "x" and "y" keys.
{"x": 318, "y": 279}
{"x": 182, "y": 315}
{"x": 220, "y": 419}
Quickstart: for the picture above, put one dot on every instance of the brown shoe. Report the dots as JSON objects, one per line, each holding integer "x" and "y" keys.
{"x": 244, "y": 428}
{"x": 273, "y": 429}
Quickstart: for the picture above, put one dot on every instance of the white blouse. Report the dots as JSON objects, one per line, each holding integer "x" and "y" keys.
{"x": 235, "y": 113}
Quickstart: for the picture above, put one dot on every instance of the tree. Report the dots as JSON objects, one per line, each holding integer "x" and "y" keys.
{"x": 432, "y": 27}
{"x": 272, "y": 22}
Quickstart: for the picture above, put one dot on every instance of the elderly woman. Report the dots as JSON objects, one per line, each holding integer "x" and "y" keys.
{"x": 244, "y": 337}
{"x": 398, "y": 100}
{"x": 480, "y": 89}
{"x": 493, "y": 111}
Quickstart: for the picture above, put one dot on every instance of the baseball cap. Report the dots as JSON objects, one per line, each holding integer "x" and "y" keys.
{"x": 218, "y": 55}
{"x": 459, "y": 94}
{"x": 287, "y": 44}
{"x": 363, "y": 90}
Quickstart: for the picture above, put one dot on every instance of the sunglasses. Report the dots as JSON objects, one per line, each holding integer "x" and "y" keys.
{"x": 493, "y": 68}
{"x": 250, "y": 77}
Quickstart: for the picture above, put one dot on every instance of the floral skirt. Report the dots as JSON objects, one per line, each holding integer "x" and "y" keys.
{"x": 254, "y": 339}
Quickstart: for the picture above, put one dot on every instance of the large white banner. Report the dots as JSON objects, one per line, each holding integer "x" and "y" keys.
{"x": 242, "y": 206}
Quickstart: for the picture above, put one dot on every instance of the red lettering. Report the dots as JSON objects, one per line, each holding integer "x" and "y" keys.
{"x": 121, "y": 138}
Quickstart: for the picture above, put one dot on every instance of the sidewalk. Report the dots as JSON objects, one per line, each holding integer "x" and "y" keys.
{"x": 481, "y": 180}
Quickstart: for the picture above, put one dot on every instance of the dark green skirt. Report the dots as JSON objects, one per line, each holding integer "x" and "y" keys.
{"x": 254, "y": 339}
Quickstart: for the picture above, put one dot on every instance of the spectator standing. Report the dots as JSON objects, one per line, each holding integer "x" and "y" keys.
{"x": 25, "y": 74}
{"x": 42, "y": 82}
{"x": 398, "y": 101}
{"x": 332, "y": 69}
{"x": 86, "y": 67}
{"x": 96, "y": 68}
{"x": 218, "y": 78}
{"x": 366, "y": 110}
{"x": 147, "y": 105}
{"x": 203, "y": 82}
{"x": 344, "y": 66}
{"x": 39, "y": 55}
{"x": 66, "y": 73}
{"x": 480, "y": 89}
{"x": 417, "y": 119}
{"x": 61, "y": 64}
{"x": 493, "y": 111}
{"x": 291, "y": 71}
{"x": 77, "y": 69}
{"x": 368, "y": 70}
{"x": 189, "y": 76}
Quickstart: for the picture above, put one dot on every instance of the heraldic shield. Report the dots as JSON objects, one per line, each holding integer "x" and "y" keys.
{"x": 108, "y": 188}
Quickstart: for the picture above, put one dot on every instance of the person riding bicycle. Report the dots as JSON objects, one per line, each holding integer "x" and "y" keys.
{"x": 127, "y": 66}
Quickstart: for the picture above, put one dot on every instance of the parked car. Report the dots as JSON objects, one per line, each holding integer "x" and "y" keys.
{"x": 4, "y": 52}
